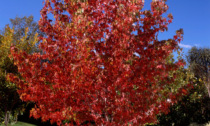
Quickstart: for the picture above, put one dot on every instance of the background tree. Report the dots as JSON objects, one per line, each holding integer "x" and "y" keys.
{"x": 9, "y": 96}
{"x": 101, "y": 61}
{"x": 24, "y": 27}
{"x": 11, "y": 104}
{"x": 199, "y": 60}
{"x": 21, "y": 23}
{"x": 194, "y": 107}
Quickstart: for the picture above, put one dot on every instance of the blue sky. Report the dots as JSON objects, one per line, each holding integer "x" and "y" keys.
{"x": 191, "y": 15}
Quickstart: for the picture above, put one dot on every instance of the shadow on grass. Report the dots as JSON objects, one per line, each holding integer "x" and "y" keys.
{"x": 37, "y": 122}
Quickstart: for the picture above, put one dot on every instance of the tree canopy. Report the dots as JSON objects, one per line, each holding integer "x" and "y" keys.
{"x": 10, "y": 104}
{"x": 101, "y": 61}
{"x": 199, "y": 60}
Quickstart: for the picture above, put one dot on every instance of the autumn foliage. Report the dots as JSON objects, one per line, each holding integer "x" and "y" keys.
{"x": 11, "y": 105}
{"x": 101, "y": 61}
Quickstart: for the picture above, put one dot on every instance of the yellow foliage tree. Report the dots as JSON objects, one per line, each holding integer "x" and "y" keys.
{"x": 10, "y": 104}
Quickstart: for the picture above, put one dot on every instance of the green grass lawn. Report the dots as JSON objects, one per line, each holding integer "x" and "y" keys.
{"x": 21, "y": 124}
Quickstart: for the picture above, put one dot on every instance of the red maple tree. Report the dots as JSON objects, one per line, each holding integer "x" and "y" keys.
{"x": 101, "y": 61}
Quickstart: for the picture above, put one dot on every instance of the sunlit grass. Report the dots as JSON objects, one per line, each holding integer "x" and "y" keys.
{"x": 20, "y": 124}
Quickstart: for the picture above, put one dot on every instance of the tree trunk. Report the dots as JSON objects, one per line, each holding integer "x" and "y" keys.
{"x": 16, "y": 118}
{"x": 6, "y": 119}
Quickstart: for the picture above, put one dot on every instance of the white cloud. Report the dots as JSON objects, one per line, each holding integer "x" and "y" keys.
{"x": 185, "y": 46}
{"x": 197, "y": 45}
